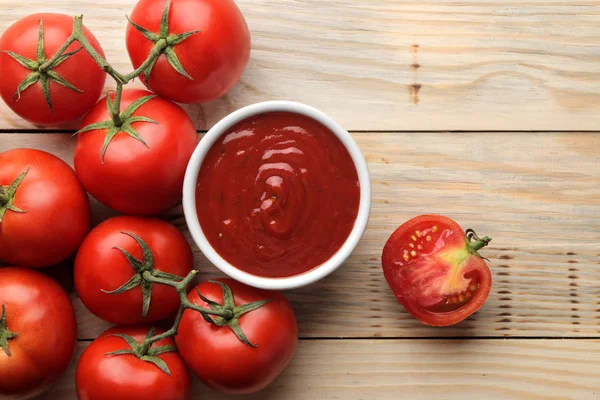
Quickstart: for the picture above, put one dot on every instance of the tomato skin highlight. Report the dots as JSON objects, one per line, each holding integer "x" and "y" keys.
{"x": 223, "y": 362}
{"x": 100, "y": 266}
{"x": 215, "y": 57}
{"x": 135, "y": 179}
{"x": 125, "y": 377}
{"x": 40, "y": 312}
{"x": 80, "y": 70}
{"x": 434, "y": 271}
{"x": 58, "y": 210}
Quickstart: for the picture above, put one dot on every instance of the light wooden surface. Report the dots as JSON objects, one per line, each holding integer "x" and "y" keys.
{"x": 405, "y": 76}
{"x": 540, "y": 203}
{"x": 423, "y": 370}
{"x": 397, "y": 64}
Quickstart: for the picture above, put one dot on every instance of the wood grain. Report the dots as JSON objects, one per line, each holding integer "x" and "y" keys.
{"x": 539, "y": 201}
{"x": 399, "y": 64}
{"x": 423, "y": 370}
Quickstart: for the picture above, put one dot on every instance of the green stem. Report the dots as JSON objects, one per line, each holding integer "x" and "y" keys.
{"x": 78, "y": 36}
{"x": 155, "y": 53}
{"x": 5, "y": 334}
{"x": 225, "y": 313}
{"x": 147, "y": 343}
{"x": 181, "y": 287}
{"x": 4, "y": 197}
{"x": 45, "y": 66}
{"x": 116, "y": 106}
{"x": 479, "y": 244}
{"x": 475, "y": 243}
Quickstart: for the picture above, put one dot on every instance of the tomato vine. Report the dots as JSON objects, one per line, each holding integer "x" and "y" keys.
{"x": 42, "y": 70}
{"x": 226, "y": 314}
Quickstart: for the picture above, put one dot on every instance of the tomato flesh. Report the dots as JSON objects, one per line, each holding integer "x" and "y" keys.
{"x": 433, "y": 272}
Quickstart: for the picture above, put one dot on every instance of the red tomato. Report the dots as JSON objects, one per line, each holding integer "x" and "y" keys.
{"x": 125, "y": 377}
{"x": 39, "y": 323}
{"x": 101, "y": 266}
{"x": 213, "y": 58}
{"x": 80, "y": 70}
{"x": 57, "y": 210}
{"x": 133, "y": 178}
{"x": 218, "y": 357}
{"x": 435, "y": 270}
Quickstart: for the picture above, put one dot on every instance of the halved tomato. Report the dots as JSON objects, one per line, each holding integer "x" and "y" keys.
{"x": 435, "y": 270}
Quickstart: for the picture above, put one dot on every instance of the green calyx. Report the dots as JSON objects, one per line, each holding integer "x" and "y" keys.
{"x": 42, "y": 72}
{"x": 5, "y": 334}
{"x": 120, "y": 121}
{"x": 7, "y": 196}
{"x": 226, "y": 314}
{"x": 163, "y": 44}
{"x": 233, "y": 312}
{"x": 145, "y": 351}
{"x": 475, "y": 243}
{"x": 144, "y": 273}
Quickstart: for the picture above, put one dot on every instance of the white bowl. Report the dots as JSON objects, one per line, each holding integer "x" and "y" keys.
{"x": 315, "y": 274}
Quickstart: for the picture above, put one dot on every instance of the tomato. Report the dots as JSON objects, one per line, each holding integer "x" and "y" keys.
{"x": 43, "y": 217}
{"x": 73, "y": 85}
{"x": 209, "y": 350}
{"x": 38, "y": 332}
{"x": 126, "y": 377}
{"x": 199, "y": 67}
{"x": 133, "y": 176}
{"x": 435, "y": 271}
{"x": 102, "y": 266}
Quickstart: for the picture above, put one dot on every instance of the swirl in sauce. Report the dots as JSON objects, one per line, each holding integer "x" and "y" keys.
{"x": 277, "y": 194}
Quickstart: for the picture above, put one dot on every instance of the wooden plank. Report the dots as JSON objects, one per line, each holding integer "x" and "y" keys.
{"x": 536, "y": 194}
{"x": 399, "y": 64}
{"x": 423, "y": 370}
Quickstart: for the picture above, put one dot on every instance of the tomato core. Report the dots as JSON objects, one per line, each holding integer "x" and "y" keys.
{"x": 453, "y": 302}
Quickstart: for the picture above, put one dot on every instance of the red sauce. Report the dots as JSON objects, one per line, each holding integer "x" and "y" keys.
{"x": 277, "y": 194}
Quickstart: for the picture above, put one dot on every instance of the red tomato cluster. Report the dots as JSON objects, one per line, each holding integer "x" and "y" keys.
{"x": 132, "y": 151}
{"x": 131, "y": 154}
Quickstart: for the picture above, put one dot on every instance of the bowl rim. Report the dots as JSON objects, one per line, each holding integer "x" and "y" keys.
{"x": 189, "y": 196}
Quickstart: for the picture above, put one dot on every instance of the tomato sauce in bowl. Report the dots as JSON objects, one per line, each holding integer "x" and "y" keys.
{"x": 277, "y": 194}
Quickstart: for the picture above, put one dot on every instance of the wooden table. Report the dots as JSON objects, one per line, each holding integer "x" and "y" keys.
{"x": 482, "y": 110}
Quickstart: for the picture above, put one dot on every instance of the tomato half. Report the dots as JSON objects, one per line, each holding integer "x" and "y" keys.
{"x": 43, "y": 217}
{"x": 80, "y": 71}
{"x": 101, "y": 266}
{"x": 138, "y": 177}
{"x": 125, "y": 377}
{"x": 219, "y": 358}
{"x": 38, "y": 332}
{"x": 435, "y": 271}
{"x": 213, "y": 58}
